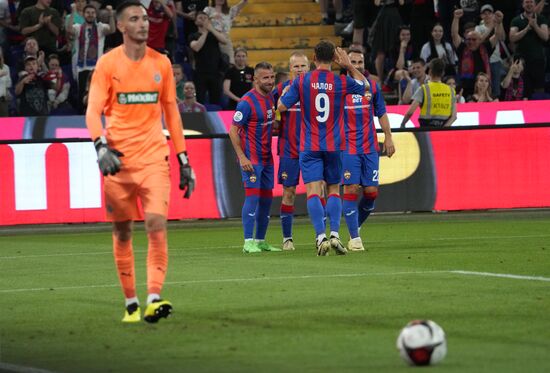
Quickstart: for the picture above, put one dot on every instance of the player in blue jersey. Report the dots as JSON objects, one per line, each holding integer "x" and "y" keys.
{"x": 360, "y": 160}
{"x": 250, "y": 135}
{"x": 287, "y": 149}
{"x": 322, "y": 94}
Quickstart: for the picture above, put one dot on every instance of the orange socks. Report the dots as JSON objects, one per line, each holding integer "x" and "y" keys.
{"x": 124, "y": 260}
{"x": 157, "y": 261}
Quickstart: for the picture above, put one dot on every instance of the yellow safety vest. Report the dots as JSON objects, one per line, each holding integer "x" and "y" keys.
{"x": 437, "y": 105}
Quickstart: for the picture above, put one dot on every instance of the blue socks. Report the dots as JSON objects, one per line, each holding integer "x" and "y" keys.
{"x": 334, "y": 211}
{"x": 350, "y": 214}
{"x": 316, "y": 213}
{"x": 366, "y": 206}
{"x": 249, "y": 215}
{"x": 287, "y": 215}
{"x": 262, "y": 215}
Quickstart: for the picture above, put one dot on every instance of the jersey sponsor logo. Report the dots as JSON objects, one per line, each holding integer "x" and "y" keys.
{"x": 130, "y": 98}
{"x": 238, "y": 116}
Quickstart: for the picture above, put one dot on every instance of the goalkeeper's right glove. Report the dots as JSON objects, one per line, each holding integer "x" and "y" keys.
{"x": 107, "y": 157}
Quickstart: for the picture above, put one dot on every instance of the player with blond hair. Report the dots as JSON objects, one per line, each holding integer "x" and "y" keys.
{"x": 133, "y": 87}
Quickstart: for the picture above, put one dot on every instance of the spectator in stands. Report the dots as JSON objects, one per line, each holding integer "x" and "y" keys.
{"x": 180, "y": 79}
{"x": 43, "y": 23}
{"x": 473, "y": 54}
{"x": 384, "y": 28}
{"x": 238, "y": 79}
{"x": 89, "y": 41}
{"x": 5, "y": 85}
{"x": 222, "y": 16}
{"x": 530, "y": 33}
{"x": 188, "y": 10}
{"x": 513, "y": 84}
{"x": 438, "y": 48}
{"x": 58, "y": 84}
{"x": 482, "y": 90}
{"x": 31, "y": 90}
{"x": 189, "y": 103}
{"x": 400, "y": 60}
{"x": 58, "y": 5}
{"x": 451, "y": 82}
{"x": 338, "y": 9}
{"x": 422, "y": 20}
{"x": 206, "y": 45}
{"x": 161, "y": 13}
{"x": 490, "y": 21}
{"x": 5, "y": 22}
{"x": 84, "y": 101}
{"x": 419, "y": 77}
{"x": 31, "y": 49}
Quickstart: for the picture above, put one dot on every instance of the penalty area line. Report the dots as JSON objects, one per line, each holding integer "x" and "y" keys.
{"x": 501, "y": 275}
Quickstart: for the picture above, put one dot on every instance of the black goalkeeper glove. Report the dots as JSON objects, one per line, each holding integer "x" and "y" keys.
{"x": 107, "y": 157}
{"x": 187, "y": 175}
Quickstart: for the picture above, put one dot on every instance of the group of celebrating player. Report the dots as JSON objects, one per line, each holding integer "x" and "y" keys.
{"x": 327, "y": 132}
{"x": 133, "y": 87}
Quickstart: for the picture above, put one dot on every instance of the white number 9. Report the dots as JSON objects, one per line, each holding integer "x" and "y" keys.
{"x": 322, "y": 105}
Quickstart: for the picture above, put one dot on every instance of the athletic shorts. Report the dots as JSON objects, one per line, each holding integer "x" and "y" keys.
{"x": 361, "y": 169}
{"x": 289, "y": 171}
{"x": 150, "y": 184}
{"x": 261, "y": 178}
{"x": 321, "y": 165}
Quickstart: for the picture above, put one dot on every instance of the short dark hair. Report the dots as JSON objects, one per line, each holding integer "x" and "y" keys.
{"x": 324, "y": 51}
{"x": 126, "y": 4}
{"x": 263, "y": 66}
{"x": 88, "y": 6}
{"x": 437, "y": 67}
{"x": 420, "y": 61}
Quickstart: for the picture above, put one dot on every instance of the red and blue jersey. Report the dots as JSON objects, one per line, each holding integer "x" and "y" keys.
{"x": 359, "y": 113}
{"x": 322, "y": 95}
{"x": 289, "y": 127}
{"x": 254, "y": 117}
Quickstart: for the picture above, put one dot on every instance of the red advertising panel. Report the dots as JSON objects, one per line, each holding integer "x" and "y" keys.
{"x": 483, "y": 169}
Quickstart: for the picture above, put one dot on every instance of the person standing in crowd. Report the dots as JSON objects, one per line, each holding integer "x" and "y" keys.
{"x": 59, "y": 85}
{"x": 89, "y": 43}
{"x": 206, "y": 45}
{"x": 189, "y": 103}
{"x": 360, "y": 160}
{"x": 529, "y": 31}
{"x": 31, "y": 90}
{"x": 418, "y": 72}
{"x": 436, "y": 47}
{"x": 250, "y": 136}
{"x": 5, "y": 85}
{"x": 134, "y": 88}
{"x": 322, "y": 97}
{"x": 43, "y": 23}
{"x": 161, "y": 13}
{"x": 436, "y": 99}
{"x": 287, "y": 149}
{"x": 238, "y": 79}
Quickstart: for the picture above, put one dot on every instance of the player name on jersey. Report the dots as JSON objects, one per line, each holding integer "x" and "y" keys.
{"x": 128, "y": 98}
{"x": 321, "y": 85}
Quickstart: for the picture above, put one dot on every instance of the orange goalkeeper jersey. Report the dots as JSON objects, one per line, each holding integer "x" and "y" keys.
{"x": 133, "y": 95}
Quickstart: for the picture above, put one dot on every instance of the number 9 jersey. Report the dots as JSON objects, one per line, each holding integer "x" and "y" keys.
{"x": 322, "y": 96}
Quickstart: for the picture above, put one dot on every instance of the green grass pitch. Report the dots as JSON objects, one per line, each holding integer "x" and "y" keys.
{"x": 61, "y": 305}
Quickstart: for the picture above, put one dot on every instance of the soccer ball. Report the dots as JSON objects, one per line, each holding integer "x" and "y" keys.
{"x": 422, "y": 342}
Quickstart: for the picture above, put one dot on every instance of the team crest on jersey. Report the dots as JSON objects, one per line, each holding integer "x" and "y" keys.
{"x": 368, "y": 96}
{"x": 238, "y": 116}
{"x": 129, "y": 98}
{"x": 347, "y": 174}
{"x": 157, "y": 78}
{"x": 284, "y": 175}
{"x": 253, "y": 178}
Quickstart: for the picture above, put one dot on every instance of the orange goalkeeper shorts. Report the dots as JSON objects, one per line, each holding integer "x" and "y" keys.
{"x": 150, "y": 184}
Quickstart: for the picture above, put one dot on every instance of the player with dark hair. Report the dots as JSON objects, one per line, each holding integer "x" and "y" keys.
{"x": 322, "y": 96}
{"x": 133, "y": 87}
{"x": 250, "y": 135}
{"x": 287, "y": 149}
{"x": 360, "y": 160}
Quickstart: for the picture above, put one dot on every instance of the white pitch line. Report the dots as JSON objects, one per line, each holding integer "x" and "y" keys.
{"x": 222, "y": 280}
{"x": 502, "y": 275}
{"x": 21, "y": 369}
{"x": 303, "y": 277}
{"x": 296, "y": 244}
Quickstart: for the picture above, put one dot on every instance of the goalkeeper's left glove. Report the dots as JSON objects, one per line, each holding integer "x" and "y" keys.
{"x": 107, "y": 157}
{"x": 187, "y": 175}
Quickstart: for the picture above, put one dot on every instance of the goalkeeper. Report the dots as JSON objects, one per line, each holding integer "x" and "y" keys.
{"x": 133, "y": 86}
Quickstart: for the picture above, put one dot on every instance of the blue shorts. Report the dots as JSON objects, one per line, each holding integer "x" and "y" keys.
{"x": 261, "y": 178}
{"x": 360, "y": 169}
{"x": 321, "y": 165}
{"x": 289, "y": 171}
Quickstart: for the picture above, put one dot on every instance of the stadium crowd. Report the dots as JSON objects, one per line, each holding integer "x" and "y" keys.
{"x": 494, "y": 49}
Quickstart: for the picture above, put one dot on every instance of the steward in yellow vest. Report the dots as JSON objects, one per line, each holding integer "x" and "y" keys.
{"x": 436, "y": 100}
